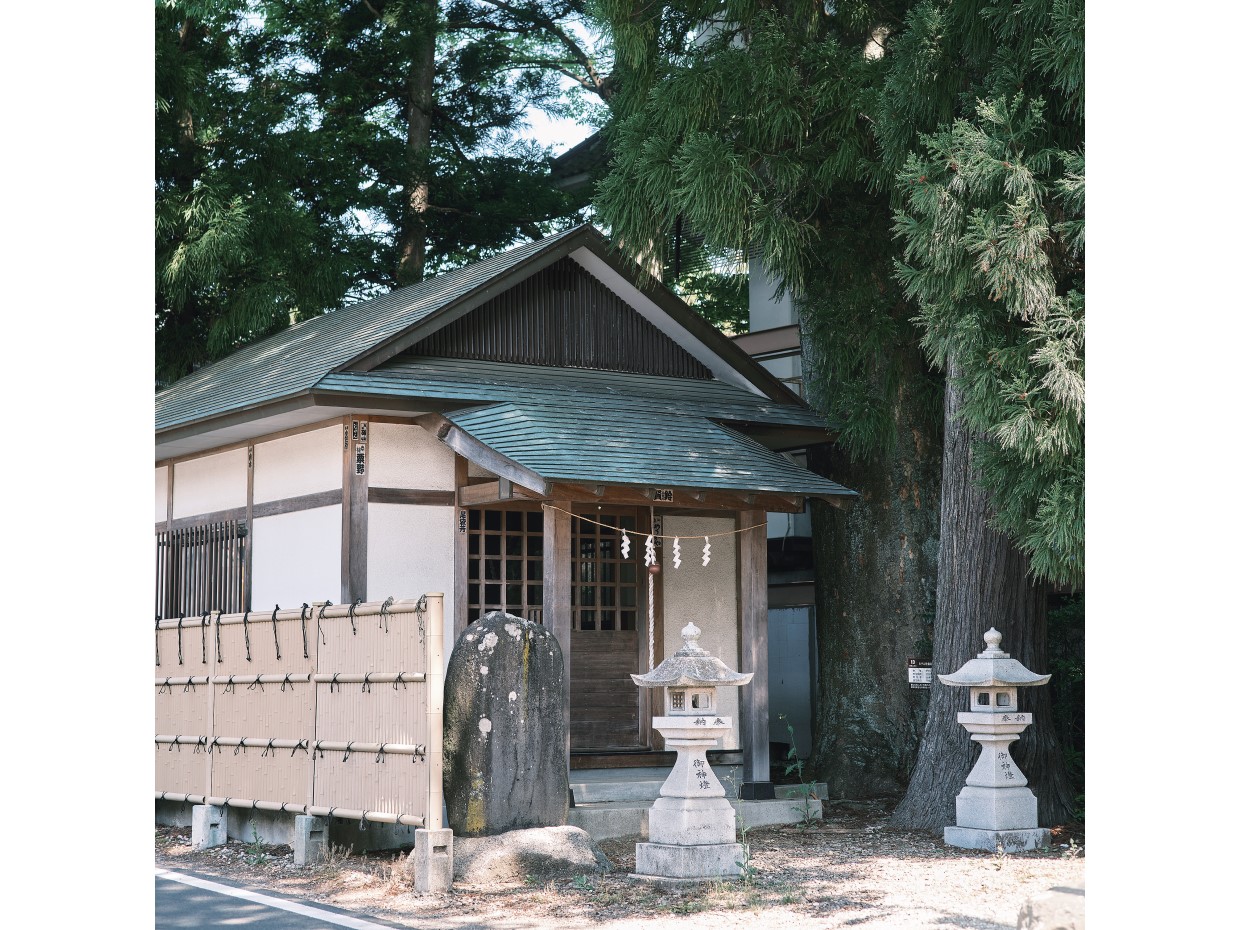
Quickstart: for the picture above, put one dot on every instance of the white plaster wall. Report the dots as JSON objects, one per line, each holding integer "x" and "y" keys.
{"x": 409, "y": 552}
{"x": 304, "y": 463}
{"x": 297, "y": 558}
{"x": 161, "y": 494}
{"x": 788, "y": 655}
{"x": 707, "y": 596}
{"x": 765, "y": 312}
{"x": 211, "y": 483}
{"x": 407, "y": 456}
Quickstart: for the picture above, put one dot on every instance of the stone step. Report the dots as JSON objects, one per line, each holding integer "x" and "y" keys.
{"x": 610, "y": 820}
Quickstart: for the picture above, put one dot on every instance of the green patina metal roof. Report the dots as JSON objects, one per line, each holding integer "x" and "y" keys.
{"x": 601, "y": 391}
{"x": 295, "y": 359}
{"x": 638, "y": 445}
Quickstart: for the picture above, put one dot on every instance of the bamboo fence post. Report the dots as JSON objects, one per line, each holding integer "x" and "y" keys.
{"x": 434, "y": 711}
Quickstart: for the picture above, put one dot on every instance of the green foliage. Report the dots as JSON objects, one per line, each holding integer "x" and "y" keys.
{"x": 915, "y": 174}
{"x": 993, "y": 234}
{"x": 754, "y": 132}
{"x": 285, "y": 164}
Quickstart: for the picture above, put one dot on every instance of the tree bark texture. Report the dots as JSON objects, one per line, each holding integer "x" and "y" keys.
{"x": 983, "y": 581}
{"x": 875, "y": 566}
{"x": 420, "y": 105}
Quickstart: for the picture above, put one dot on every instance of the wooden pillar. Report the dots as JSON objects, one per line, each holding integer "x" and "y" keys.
{"x": 460, "y": 619}
{"x": 755, "y": 696}
{"x": 355, "y": 511}
{"x": 557, "y": 591}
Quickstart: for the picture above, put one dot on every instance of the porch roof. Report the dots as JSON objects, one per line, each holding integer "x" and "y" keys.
{"x": 635, "y": 443}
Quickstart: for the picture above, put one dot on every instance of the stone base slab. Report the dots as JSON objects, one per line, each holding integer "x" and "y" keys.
{"x": 996, "y": 808}
{"x": 692, "y": 822}
{"x": 661, "y": 860}
{"x": 990, "y": 840}
{"x": 309, "y": 839}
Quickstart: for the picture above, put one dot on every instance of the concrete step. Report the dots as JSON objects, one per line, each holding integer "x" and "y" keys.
{"x": 610, "y": 820}
{"x": 596, "y": 792}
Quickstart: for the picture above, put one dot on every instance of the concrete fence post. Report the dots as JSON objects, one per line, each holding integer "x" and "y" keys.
{"x": 209, "y": 826}
{"x": 309, "y": 839}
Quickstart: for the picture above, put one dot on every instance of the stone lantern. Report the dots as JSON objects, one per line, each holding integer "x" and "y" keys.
{"x": 995, "y": 806}
{"x": 692, "y": 825}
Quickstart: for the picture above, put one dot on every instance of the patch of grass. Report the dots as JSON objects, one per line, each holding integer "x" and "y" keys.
{"x": 256, "y": 849}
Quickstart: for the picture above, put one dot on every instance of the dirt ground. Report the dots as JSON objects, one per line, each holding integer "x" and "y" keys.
{"x": 850, "y": 871}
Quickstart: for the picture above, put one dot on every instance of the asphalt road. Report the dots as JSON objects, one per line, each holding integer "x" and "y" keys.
{"x": 188, "y": 901}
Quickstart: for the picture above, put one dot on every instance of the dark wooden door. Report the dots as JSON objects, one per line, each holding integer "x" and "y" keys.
{"x": 607, "y": 595}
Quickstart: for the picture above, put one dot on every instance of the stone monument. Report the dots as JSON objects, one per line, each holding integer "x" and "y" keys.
{"x": 995, "y": 807}
{"x": 692, "y": 825}
{"x": 505, "y": 764}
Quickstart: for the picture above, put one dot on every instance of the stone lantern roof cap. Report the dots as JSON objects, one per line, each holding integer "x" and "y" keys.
{"x": 993, "y": 668}
{"x": 691, "y": 666}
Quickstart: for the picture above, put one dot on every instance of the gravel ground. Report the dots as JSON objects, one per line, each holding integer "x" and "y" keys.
{"x": 849, "y": 872}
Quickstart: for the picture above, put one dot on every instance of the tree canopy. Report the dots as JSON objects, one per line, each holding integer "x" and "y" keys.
{"x": 312, "y": 153}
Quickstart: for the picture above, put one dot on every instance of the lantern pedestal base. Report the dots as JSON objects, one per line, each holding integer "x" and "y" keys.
{"x": 662, "y": 861}
{"x": 996, "y": 808}
{"x": 1011, "y": 840}
{"x": 692, "y": 822}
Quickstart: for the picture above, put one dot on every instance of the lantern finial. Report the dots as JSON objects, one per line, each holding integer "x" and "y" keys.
{"x": 993, "y": 637}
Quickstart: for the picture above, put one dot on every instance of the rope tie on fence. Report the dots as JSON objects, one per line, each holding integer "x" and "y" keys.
{"x": 352, "y": 616}
{"x": 176, "y": 741}
{"x": 383, "y": 612}
{"x": 211, "y": 748}
{"x": 245, "y": 625}
{"x": 305, "y": 644}
{"x": 189, "y": 686}
{"x": 287, "y": 681}
{"x": 303, "y": 745}
{"x": 271, "y": 748}
{"x": 320, "y": 621}
{"x": 240, "y": 747}
{"x": 257, "y": 682}
{"x": 348, "y": 751}
{"x": 318, "y": 748}
{"x": 204, "y": 636}
{"x": 166, "y": 685}
{"x": 331, "y": 688}
{"x": 199, "y": 744}
{"x": 399, "y": 680}
{"x": 381, "y": 757}
{"x": 180, "y": 659}
{"x": 219, "y": 656}
{"x": 275, "y": 632}
{"x": 362, "y": 826}
{"x": 158, "y": 618}
{"x": 230, "y": 687}
{"x": 420, "y": 609}
{"x": 366, "y": 683}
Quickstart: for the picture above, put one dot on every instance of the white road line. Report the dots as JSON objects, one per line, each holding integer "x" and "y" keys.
{"x": 340, "y": 920}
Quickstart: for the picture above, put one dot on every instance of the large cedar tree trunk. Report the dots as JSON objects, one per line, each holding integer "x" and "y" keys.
{"x": 875, "y": 564}
{"x": 983, "y": 581}
{"x": 419, "y": 107}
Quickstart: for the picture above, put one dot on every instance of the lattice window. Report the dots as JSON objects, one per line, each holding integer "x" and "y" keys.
{"x": 605, "y": 586}
{"x": 505, "y": 563}
{"x": 200, "y": 568}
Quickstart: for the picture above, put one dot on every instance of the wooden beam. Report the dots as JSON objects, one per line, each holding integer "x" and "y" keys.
{"x": 682, "y": 498}
{"x": 557, "y": 589}
{"x": 410, "y": 496}
{"x": 296, "y": 504}
{"x": 481, "y": 454}
{"x": 492, "y": 492}
{"x": 755, "y": 696}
